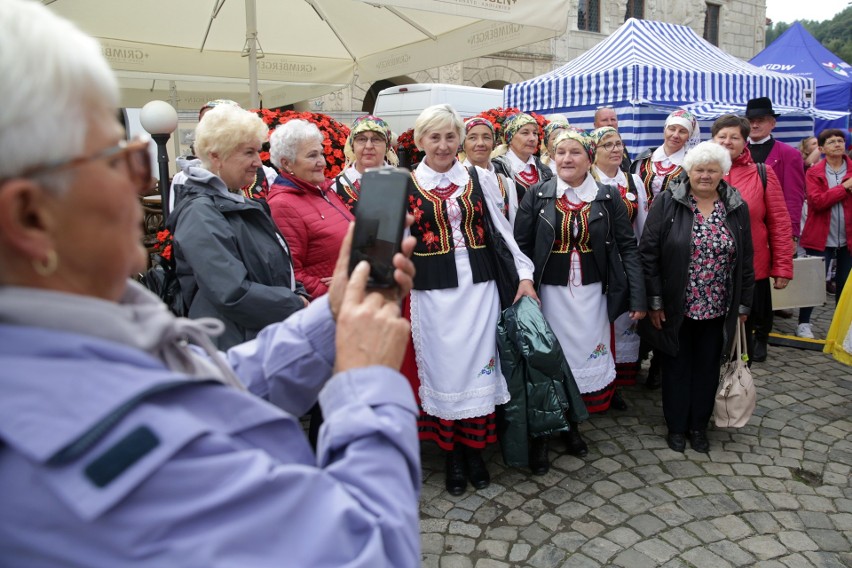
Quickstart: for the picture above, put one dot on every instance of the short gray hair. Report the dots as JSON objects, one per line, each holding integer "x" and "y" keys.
{"x": 435, "y": 117}
{"x": 54, "y": 75}
{"x": 707, "y": 152}
{"x": 285, "y": 141}
{"x": 223, "y": 128}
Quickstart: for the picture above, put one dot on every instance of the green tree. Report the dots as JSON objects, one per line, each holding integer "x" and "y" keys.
{"x": 835, "y": 34}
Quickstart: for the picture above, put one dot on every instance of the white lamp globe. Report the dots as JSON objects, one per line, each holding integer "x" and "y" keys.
{"x": 158, "y": 117}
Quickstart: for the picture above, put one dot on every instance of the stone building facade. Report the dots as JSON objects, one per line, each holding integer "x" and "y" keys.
{"x": 736, "y": 26}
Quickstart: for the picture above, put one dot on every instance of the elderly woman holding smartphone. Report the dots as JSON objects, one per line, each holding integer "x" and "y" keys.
{"x": 699, "y": 272}
{"x": 455, "y": 304}
{"x": 146, "y": 444}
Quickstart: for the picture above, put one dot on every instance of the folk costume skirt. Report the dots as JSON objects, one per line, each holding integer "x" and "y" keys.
{"x": 578, "y": 316}
{"x": 454, "y": 335}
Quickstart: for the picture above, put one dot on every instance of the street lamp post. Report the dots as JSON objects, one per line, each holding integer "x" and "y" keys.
{"x": 160, "y": 119}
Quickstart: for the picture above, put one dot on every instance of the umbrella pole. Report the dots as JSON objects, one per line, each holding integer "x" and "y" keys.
{"x": 251, "y": 45}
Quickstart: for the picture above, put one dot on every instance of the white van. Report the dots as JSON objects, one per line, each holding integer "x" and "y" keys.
{"x": 400, "y": 106}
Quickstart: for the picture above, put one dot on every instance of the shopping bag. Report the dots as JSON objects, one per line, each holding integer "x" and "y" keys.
{"x": 736, "y": 397}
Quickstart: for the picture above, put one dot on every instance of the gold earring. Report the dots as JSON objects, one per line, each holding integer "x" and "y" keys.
{"x": 47, "y": 266}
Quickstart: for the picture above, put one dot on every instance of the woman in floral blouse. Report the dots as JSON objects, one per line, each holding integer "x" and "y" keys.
{"x": 697, "y": 257}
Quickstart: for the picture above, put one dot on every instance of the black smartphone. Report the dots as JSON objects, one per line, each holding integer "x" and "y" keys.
{"x": 380, "y": 222}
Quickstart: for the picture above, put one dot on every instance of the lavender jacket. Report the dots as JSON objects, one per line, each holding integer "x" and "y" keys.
{"x": 787, "y": 163}
{"x": 109, "y": 459}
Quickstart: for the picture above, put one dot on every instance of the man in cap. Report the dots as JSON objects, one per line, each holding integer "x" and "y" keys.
{"x": 787, "y": 164}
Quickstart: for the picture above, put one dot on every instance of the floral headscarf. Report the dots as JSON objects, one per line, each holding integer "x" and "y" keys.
{"x": 370, "y": 123}
{"x": 600, "y": 133}
{"x": 478, "y": 121}
{"x": 515, "y": 123}
{"x": 554, "y": 125}
{"x": 687, "y": 120}
{"x": 586, "y": 141}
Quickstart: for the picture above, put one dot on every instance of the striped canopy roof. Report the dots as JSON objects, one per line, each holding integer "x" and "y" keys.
{"x": 648, "y": 62}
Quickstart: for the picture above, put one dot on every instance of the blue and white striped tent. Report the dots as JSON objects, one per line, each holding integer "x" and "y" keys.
{"x": 646, "y": 69}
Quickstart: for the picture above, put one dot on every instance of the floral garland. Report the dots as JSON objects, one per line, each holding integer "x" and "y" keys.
{"x": 334, "y": 136}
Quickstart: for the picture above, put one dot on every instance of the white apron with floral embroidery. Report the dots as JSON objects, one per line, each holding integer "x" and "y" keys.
{"x": 578, "y": 317}
{"x": 454, "y": 332}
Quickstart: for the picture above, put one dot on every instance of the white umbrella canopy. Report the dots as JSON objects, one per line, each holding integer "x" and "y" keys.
{"x": 304, "y": 48}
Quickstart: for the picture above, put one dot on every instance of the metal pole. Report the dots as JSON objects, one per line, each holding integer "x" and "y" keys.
{"x": 163, "y": 163}
{"x": 251, "y": 44}
{"x": 173, "y": 99}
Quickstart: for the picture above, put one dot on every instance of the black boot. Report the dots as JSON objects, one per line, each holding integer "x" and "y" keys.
{"x": 455, "y": 480}
{"x": 617, "y": 402}
{"x": 539, "y": 460}
{"x": 759, "y": 353}
{"x": 655, "y": 373}
{"x": 574, "y": 443}
{"x": 698, "y": 441}
{"x": 476, "y": 470}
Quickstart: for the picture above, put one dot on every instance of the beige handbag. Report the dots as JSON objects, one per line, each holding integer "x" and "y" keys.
{"x": 736, "y": 396}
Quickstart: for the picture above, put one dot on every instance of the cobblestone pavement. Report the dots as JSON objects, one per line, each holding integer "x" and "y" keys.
{"x": 776, "y": 493}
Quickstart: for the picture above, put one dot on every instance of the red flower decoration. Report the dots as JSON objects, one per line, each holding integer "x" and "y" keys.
{"x": 334, "y": 136}
{"x": 164, "y": 244}
{"x": 405, "y": 147}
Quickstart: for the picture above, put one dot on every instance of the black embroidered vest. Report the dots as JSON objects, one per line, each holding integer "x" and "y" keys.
{"x": 434, "y": 254}
{"x": 572, "y": 238}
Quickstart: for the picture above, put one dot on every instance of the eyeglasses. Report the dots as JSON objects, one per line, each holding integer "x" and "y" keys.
{"x": 610, "y": 146}
{"x": 375, "y": 140}
{"x": 135, "y": 154}
{"x": 834, "y": 140}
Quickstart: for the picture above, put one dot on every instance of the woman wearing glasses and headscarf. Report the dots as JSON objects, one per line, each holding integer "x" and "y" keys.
{"x": 609, "y": 156}
{"x": 231, "y": 261}
{"x": 368, "y": 146}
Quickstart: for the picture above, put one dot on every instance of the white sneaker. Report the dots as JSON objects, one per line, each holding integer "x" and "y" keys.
{"x": 804, "y": 330}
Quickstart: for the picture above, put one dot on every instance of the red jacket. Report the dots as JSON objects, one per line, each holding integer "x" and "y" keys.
{"x": 821, "y": 199}
{"x": 314, "y": 222}
{"x": 771, "y": 233}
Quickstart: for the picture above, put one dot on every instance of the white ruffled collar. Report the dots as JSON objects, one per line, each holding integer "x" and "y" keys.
{"x": 619, "y": 179}
{"x": 429, "y": 179}
{"x": 517, "y": 164}
{"x": 352, "y": 174}
{"x": 660, "y": 155}
{"x": 587, "y": 191}
{"x": 467, "y": 164}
